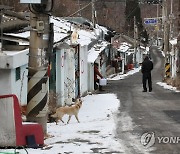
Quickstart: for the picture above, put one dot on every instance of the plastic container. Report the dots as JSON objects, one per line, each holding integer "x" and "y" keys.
{"x": 102, "y": 82}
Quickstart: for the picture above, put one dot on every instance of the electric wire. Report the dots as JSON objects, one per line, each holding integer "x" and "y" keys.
{"x": 80, "y": 9}
{"x": 131, "y": 12}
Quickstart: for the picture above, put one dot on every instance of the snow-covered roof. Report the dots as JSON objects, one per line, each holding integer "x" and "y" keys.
{"x": 94, "y": 52}
{"x": 124, "y": 47}
{"x": 61, "y": 28}
{"x": 142, "y": 47}
{"x": 85, "y": 37}
{"x": 64, "y": 27}
{"x": 105, "y": 30}
{"x": 12, "y": 59}
{"x": 125, "y": 43}
{"x": 11, "y": 53}
{"x": 173, "y": 42}
{"x": 130, "y": 51}
{"x": 22, "y": 35}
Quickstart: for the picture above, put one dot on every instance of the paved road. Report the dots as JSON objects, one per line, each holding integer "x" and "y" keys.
{"x": 155, "y": 112}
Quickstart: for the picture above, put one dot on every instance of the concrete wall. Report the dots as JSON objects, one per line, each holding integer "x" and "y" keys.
{"x": 19, "y": 87}
{"x": 13, "y": 59}
{"x": 65, "y": 76}
{"x": 60, "y": 66}
{"x": 69, "y": 79}
{"x": 8, "y": 82}
{"x": 5, "y": 82}
{"x": 83, "y": 71}
{"x": 173, "y": 62}
{"x": 11, "y": 86}
{"x": 90, "y": 77}
{"x": 139, "y": 56}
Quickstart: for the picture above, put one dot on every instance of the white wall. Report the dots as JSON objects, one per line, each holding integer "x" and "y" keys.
{"x": 173, "y": 62}
{"x": 19, "y": 87}
{"x": 90, "y": 77}
{"x": 83, "y": 70}
{"x": 11, "y": 86}
{"x": 69, "y": 79}
{"x": 5, "y": 82}
{"x": 103, "y": 67}
{"x": 65, "y": 76}
{"x": 14, "y": 59}
{"x": 139, "y": 56}
{"x": 60, "y": 66}
{"x": 8, "y": 65}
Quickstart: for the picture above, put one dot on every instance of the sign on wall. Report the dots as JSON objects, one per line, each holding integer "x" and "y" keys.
{"x": 31, "y": 1}
{"x": 150, "y": 20}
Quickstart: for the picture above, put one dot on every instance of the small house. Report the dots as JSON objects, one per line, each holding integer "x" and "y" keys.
{"x": 14, "y": 74}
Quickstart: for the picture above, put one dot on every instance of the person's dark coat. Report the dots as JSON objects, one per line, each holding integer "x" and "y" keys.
{"x": 147, "y": 66}
{"x": 146, "y": 69}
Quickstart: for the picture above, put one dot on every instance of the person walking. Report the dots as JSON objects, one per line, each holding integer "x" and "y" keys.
{"x": 147, "y": 67}
{"x": 96, "y": 80}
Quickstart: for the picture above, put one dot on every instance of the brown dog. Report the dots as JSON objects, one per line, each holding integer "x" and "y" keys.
{"x": 69, "y": 110}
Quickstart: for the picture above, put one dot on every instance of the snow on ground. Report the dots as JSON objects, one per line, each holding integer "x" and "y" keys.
{"x": 123, "y": 76}
{"x": 94, "y": 133}
{"x": 169, "y": 87}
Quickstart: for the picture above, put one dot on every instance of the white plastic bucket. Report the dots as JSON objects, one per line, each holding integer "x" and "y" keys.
{"x": 102, "y": 82}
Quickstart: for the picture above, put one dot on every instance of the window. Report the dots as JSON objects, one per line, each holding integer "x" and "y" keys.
{"x": 18, "y": 73}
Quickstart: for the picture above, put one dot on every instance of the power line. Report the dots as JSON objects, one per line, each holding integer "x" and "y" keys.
{"x": 131, "y": 12}
{"x": 79, "y": 10}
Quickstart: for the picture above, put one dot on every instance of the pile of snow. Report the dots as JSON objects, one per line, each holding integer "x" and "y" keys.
{"x": 169, "y": 87}
{"x": 123, "y": 76}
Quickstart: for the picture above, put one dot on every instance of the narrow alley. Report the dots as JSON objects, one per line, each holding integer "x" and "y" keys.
{"x": 156, "y": 113}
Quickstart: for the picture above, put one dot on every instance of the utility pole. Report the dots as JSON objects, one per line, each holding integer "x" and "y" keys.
{"x": 38, "y": 80}
{"x": 178, "y": 44}
{"x": 135, "y": 41}
{"x": 157, "y": 24}
{"x": 1, "y": 18}
{"x": 166, "y": 38}
{"x": 93, "y": 13}
{"x": 171, "y": 20}
{"x": 79, "y": 13}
